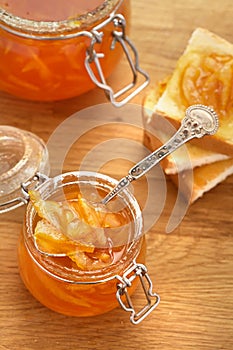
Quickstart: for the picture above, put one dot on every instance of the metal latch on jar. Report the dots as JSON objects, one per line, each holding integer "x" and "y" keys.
{"x": 119, "y": 36}
{"x": 22, "y": 199}
{"x": 92, "y": 57}
{"x": 152, "y": 299}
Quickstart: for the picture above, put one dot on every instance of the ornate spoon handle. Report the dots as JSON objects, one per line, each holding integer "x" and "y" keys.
{"x": 199, "y": 120}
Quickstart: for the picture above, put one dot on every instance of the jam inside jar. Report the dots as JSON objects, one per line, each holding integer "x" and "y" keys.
{"x": 110, "y": 271}
{"x": 43, "y": 46}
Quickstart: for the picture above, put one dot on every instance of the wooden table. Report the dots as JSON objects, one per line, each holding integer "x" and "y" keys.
{"x": 192, "y": 267}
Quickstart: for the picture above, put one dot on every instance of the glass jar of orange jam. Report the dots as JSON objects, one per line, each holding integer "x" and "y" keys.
{"x": 97, "y": 264}
{"x": 48, "y": 47}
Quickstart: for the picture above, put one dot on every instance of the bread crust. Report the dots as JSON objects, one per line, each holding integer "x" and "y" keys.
{"x": 203, "y": 178}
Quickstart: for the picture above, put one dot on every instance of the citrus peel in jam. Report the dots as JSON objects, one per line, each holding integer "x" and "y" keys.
{"x": 75, "y": 229}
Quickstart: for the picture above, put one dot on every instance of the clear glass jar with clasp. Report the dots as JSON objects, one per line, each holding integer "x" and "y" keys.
{"x": 108, "y": 275}
{"x": 55, "y": 50}
{"x": 74, "y": 260}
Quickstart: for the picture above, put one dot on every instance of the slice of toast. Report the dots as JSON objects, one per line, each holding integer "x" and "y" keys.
{"x": 203, "y": 178}
{"x": 157, "y": 132}
{"x": 203, "y": 75}
{"x": 208, "y": 168}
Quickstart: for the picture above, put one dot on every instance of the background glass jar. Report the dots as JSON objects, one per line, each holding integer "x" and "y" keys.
{"x": 43, "y": 45}
{"x": 57, "y": 284}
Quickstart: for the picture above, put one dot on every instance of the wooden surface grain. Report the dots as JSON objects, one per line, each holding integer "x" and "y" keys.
{"x": 192, "y": 267}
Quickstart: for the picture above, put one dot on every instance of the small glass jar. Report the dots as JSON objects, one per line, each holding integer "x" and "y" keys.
{"x": 68, "y": 290}
{"x": 56, "y": 50}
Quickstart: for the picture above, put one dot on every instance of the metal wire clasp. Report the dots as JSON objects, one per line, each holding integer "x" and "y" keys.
{"x": 119, "y": 36}
{"x": 152, "y": 299}
{"x": 23, "y": 197}
{"x": 37, "y": 179}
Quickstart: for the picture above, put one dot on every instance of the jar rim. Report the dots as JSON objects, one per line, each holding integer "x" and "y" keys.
{"x": 90, "y": 276}
{"x": 62, "y": 28}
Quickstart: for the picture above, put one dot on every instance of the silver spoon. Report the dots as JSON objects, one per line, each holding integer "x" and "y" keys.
{"x": 199, "y": 121}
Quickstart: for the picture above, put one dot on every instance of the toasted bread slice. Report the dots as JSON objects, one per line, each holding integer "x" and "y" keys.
{"x": 203, "y": 178}
{"x": 200, "y": 179}
{"x": 203, "y": 75}
{"x": 157, "y": 132}
{"x": 209, "y": 168}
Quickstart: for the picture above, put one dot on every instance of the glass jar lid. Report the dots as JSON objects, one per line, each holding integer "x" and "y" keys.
{"x": 22, "y": 155}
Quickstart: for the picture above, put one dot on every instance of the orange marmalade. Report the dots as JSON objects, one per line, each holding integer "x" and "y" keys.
{"x": 207, "y": 80}
{"x": 43, "y": 46}
{"x": 71, "y": 250}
